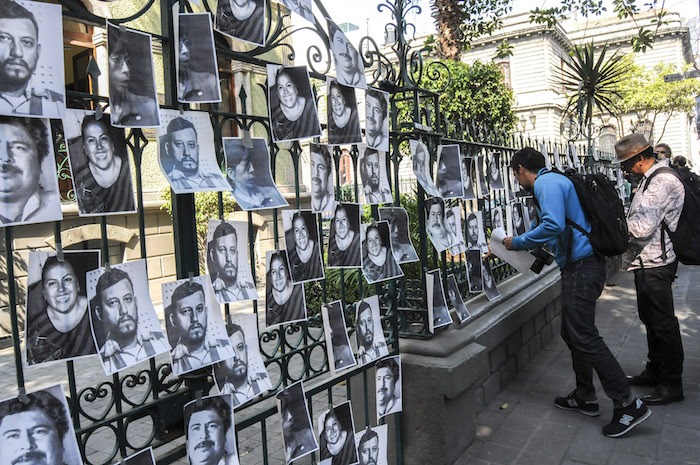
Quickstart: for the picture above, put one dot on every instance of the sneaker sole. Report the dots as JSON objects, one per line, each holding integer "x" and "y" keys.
{"x": 588, "y": 413}
{"x": 632, "y": 425}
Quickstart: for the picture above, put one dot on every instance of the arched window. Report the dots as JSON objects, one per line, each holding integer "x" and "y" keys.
{"x": 346, "y": 173}
{"x": 646, "y": 128}
{"x": 606, "y": 141}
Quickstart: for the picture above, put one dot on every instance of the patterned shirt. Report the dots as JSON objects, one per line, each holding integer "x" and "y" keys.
{"x": 661, "y": 201}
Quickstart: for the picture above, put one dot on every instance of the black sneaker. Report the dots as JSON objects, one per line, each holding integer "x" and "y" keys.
{"x": 626, "y": 418}
{"x": 574, "y": 402}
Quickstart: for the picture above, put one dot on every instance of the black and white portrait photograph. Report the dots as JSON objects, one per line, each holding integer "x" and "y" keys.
{"x": 483, "y": 184}
{"x": 142, "y": 457}
{"x": 497, "y": 220}
{"x": 344, "y": 249}
{"x": 300, "y": 7}
{"x": 338, "y": 348}
{"x": 285, "y": 301}
{"x": 373, "y": 174}
{"x": 378, "y": 262}
{"x": 249, "y": 175}
{"x": 421, "y": 167}
{"x": 557, "y": 159}
{"x": 57, "y": 325}
{"x": 495, "y": 176}
{"x": 453, "y": 224}
{"x": 228, "y": 263}
{"x": 336, "y": 436}
{"x": 441, "y": 238}
{"x": 241, "y": 19}
{"x": 449, "y": 173}
{"x": 38, "y": 430}
{"x": 343, "y": 117}
{"x": 186, "y": 152}
{"x": 387, "y": 373}
{"x": 371, "y": 344}
{"x": 244, "y": 376}
{"x": 123, "y": 320}
{"x": 322, "y": 185}
{"x": 490, "y": 288}
{"x": 532, "y": 215}
{"x": 513, "y": 185}
{"x": 474, "y": 269}
{"x": 476, "y": 237}
{"x": 518, "y": 219}
{"x": 348, "y": 62}
{"x": 377, "y": 119}
{"x": 99, "y": 163}
{"x": 297, "y": 432}
{"x": 133, "y": 101}
{"x": 28, "y": 183}
{"x": 372, "y": 445}
{"x": 32, "y": 80}
{"x": 195, "y": 62}
{"x": 467, "y": 166}
{"x": 293, "y": 113}
{"x": 401, "y": 244}
{"x": 195, "y": 327}
{"x": 438, "y": 314}
{"x": 547, "y": 160}
{"x": 303, "y": 247}
{"x": 456, "y": 299}
{"x": 210, "y": 431}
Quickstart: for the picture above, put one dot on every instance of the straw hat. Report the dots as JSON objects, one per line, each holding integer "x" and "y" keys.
{"x": 629, "y": 146}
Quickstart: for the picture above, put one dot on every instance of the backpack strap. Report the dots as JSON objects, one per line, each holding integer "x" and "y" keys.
{"x": 664, "y": 227}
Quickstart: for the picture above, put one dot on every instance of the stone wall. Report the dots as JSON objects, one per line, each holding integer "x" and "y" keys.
{"x": 450, "y": 377}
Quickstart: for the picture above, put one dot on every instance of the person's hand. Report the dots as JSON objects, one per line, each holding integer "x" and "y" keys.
{"x": 488, "y": 254}
{"x": 508, "y": 243}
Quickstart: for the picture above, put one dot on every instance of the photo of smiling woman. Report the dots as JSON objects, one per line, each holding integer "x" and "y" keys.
{"x": 336, "y": 436}
{"x": 343, "y": 119}
{"x": 99, "y": 165}
{"x": 293, "y": 114}
{"x": 303, "y": 249}
{"x": 58, "y": 320}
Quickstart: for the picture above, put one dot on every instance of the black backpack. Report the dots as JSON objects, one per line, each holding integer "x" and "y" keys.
{"x": 603, "y": 208}
{"x": 685, "y": 237}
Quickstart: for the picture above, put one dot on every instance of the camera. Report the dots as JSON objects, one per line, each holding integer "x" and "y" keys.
{"x": 542, "y": 258}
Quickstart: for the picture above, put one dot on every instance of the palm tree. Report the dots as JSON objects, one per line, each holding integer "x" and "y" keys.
{"x": 594, "y": 84}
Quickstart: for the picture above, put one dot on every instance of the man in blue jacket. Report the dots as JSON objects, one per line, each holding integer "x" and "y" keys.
{"x": 582, "y": 281}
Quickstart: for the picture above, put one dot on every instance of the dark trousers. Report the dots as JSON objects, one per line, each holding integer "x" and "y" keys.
{"x": 655, "y": 305}
{"x": 581, "y": 285}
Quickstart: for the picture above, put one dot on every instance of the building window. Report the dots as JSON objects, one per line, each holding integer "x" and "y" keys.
{"x": 607, "y": 139}
{"x": 646, "y": 128}
{"x": 347, "y": 177}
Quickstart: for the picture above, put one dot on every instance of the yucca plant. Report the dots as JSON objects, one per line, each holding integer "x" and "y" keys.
{"x": 593, "y": 83}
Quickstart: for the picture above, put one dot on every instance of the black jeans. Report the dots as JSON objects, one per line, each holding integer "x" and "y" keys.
{"x": 581, "y": 285}
{"x": 655, "y": 305}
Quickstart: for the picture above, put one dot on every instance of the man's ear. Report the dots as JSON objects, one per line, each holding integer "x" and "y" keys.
{"x": 170, "y": 319}
{"x": 98, "y": 312}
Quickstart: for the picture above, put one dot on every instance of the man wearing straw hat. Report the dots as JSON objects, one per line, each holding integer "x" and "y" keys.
{"x": 658, "y": 201}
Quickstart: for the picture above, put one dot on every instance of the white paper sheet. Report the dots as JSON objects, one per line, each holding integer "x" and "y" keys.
{"x": 519, "y": 259}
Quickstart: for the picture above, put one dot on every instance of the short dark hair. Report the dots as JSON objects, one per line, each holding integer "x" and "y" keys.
{"x": 449, "y": 213}
{"x": 234, "y": 328}
{"x": 368, "y": 436}
{"x": 178, "y": 124}
{"x": 332, "y": 29}
{"x": 471, "y": 216}
{"x": 382, "y": 101}
{"x": 13, "y": 10}
{"x": 666, "y": 146}
{"x": 186, "y": 289}
{"x": 216, "y": 404}
{"x": 433, "y": 201}
{"x": 224, "y": 229}
{"x": 117, "y": 43}
{"x": 43, "y": 401}
{"x": 110, "y": 278}
{"x": 362, "y": 306}
{"x": 325, "y": 153}
{"x": 528, "y": 158}
{"x": 35, "y": 128}
{"x": 680, "y": 160}
{"x": 391, "y": 364}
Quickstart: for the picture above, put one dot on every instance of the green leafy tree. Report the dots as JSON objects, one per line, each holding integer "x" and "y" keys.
{"x": 475, "y": 92}
{"x": 649, "y": 98}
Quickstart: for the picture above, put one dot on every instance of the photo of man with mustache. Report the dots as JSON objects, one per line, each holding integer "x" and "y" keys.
{"x": 38, "y": 430}
{"x": 209, "y": 433}
{"x": 375, "y": 185}
{"x": 377, "y": 119}
{"x": 322, "y": 195}
{"x": 21, "y": 54}
{"x": 387, "y": 375}
{"x": 223, "y": 263}
{"x": 348, "y": 63}
{"x": 435, "y": 224}
{"x": 115, "y": 308}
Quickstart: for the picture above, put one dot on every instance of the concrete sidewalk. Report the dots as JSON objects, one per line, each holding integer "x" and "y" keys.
{"x": 522, "y": 426}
